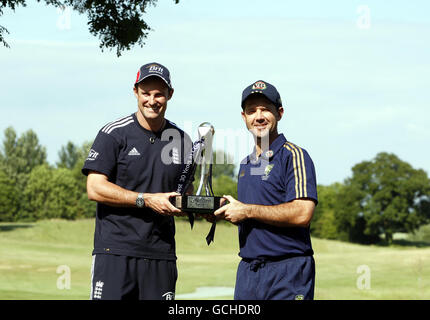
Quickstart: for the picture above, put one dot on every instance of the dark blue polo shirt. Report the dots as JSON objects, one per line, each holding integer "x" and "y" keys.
{"x": 143, "y": 161}
{"x": 282, "y": 174}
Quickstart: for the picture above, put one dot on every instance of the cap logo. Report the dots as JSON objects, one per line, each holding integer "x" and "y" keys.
{"x": 259, "y": 85}
{"x": 155, "y": 68}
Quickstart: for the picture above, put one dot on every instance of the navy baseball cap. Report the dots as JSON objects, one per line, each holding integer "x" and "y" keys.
{"x": 153, "y": 69}
{"x": 264, "y": 88}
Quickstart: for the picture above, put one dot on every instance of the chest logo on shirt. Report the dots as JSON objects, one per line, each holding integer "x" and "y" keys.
{"x": 242, "y": 173}
{"x": 134, "y": 152}
{"x": 267, "y": 171}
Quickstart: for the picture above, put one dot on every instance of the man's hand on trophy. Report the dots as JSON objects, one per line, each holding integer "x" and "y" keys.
{"x": 160, "y": 203}
{"x": 235, "y": 211}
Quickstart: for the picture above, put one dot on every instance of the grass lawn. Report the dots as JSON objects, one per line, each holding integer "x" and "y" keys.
{"x": 31, "y": 254}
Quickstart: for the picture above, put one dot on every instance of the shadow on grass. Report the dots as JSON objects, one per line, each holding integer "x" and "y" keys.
{"x": 405, "y": 243}
{"x": 11, "y": 227}
{"x": 411, "y": 243}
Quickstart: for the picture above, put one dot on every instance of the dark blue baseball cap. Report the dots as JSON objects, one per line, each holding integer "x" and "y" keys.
{"x": 151, "y": 70}
{"x": 264, "y": 88}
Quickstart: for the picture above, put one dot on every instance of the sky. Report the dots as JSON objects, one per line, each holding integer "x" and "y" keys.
{"x": 353, "y": 75}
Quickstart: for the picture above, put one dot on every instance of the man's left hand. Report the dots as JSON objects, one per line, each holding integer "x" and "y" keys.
{"x": 235, "y": 211}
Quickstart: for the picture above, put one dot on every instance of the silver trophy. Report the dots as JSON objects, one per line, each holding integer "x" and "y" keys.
{"x": 204, "y": 200}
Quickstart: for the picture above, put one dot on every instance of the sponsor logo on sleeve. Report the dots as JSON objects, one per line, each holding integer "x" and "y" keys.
{"x": 92, "y": 155}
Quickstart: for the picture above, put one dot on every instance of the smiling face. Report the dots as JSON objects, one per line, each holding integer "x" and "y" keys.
{"x": 261, "y": 116}
{"x": 152, "y": 95}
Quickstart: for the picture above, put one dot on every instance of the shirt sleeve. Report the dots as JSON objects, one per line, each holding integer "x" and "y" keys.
{"x": 103, "y": 155}
{"x": 300, "y": 175}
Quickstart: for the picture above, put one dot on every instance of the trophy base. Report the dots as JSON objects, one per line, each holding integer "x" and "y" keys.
{"x": 197, "y": 204}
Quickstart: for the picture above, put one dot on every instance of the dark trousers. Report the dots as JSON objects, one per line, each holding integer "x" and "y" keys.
{"x": 130, "y": 278}
{"x": 287, "y": 279}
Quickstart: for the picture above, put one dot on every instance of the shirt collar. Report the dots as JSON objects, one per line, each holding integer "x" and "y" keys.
{"x": 274, "y": 147}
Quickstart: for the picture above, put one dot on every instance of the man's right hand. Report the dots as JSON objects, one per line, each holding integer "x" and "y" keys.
{"x": 100, "y": 189}
{"x": 160, "y": 203}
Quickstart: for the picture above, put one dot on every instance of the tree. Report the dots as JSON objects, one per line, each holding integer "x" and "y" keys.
{"x": 117, "y": 23}
{"x": 50, "y": 193}
{"x": 85, "y": 207}
{"x": 383, "y": 196}
{"x": 68, "y": 155}
{"x": 8, "y": 197}
{"x": 21, "y": 155}
{"x": 324, "y": 222}
{"x": 73, "y": 157}
{"x": 225, "y": 185}
{"x": 18, "y": 157}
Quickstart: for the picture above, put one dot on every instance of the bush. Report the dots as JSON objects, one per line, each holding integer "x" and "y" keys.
{"x": 421, "y": 235}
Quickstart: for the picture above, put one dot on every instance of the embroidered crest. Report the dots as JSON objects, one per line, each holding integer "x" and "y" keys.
{"x": 267, "y": 170}
{"x": 269, "y": 153}
{"x": 259, "y": 85}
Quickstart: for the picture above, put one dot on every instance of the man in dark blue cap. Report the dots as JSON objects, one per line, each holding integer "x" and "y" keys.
{"x": 277, "y": 195}
{"x": 132, "y": 170}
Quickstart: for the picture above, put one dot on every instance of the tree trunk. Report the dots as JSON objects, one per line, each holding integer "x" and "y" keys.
{"x": 389, "y": 237}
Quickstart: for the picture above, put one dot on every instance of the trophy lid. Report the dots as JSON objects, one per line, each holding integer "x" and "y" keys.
{"x": 205, "y": 128}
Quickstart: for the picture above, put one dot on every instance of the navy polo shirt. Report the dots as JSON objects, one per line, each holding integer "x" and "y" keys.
{"x": 282, "y": 174}
{"x": 143, "y": 161}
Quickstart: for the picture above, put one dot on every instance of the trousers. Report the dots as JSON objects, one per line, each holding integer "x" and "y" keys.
{"x": 288, "y": 279}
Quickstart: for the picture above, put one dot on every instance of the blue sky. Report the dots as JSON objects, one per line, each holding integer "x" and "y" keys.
{"x": 353, "y": 75}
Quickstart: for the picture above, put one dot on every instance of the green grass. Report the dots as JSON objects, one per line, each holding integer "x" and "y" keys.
{"x": 30, "y": 254}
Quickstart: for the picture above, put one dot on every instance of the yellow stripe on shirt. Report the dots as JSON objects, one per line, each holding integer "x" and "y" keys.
{"x": 301, "y": 169}
{"x": 295, "y": 169}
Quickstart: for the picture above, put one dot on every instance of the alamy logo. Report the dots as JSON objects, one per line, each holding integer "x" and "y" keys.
{"x": 98, "y": 290}
{"x": 134, "y": 152}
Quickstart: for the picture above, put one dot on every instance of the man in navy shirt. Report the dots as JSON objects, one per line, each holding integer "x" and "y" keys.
{"x": 132, "y": 171}
{"x": 277, "y": 196}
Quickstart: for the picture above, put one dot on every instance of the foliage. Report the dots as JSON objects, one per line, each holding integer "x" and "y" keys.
{"x": 68, "y": 156}
{"x": 118, "y": 23}
{"x": 383, "y": 196}
{"x": 323, "y": 222}
{"x": 50, "y": 193}
{"x": 422, "y": 234}
{"x": 8, "y": 197}
{"x": 18, "y": 157}
{"x": 225, "y": 185}
{"x": 21, "y": 155}
{"x": 72, "y": 157}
